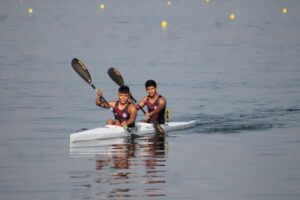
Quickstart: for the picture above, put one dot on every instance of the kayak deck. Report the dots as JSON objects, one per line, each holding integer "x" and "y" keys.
{"x": 111, "y": 131}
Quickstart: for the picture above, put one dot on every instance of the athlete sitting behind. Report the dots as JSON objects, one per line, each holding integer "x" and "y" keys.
{"x": 156, "y": 103}
{"x": 125, "y": 110}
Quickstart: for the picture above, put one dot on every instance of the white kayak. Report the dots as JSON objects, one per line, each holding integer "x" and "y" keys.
{"x": 111, "y": 131}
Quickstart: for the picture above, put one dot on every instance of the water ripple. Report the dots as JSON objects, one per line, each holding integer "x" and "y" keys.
{"x": 259, "y": 119}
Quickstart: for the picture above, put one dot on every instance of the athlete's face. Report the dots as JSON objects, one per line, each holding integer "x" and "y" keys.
{"x": 123, "y": 97}
{"x": 151, "y": 90}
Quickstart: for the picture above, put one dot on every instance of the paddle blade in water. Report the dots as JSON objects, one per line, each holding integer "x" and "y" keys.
{"x": 81, "y": 70}
{"x": 116, "y": 76}
{"x": 158, "y": 129}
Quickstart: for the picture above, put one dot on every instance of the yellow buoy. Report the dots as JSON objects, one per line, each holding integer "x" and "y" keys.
{"x": 232, "y": 16}
{"x": 164, "y": 24}
{"x": 102, "y": 6}
{"x": 284, "y": 10}
{"x": 30, "y": 10}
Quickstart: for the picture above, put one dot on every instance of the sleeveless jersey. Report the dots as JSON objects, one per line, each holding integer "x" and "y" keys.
{"x": 159, "y": 117}
{"x": 124, "y": 114}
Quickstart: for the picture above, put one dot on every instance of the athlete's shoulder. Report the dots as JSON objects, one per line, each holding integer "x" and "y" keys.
{"x": 145, "y": 98}
{"x": 132, "y": 107}
{"x": 162, "y": 99}
{"x": 161, "y": 96}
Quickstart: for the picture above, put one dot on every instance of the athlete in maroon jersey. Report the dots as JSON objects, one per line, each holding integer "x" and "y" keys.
{"x": 125, "y": 110}
{"x": 155, "y": 103}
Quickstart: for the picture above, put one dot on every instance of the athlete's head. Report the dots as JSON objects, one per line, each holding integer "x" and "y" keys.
{"x": 151, "y": 87}
{"x": 124, "y": 89}
{"x": 150, "y": 83}
{"x": 123, "y": 94}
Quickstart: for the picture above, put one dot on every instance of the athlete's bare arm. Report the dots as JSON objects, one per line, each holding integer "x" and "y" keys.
{"x": 142, "y": 102}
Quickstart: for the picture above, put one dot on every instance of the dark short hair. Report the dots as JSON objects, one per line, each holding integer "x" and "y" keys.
{"x": 150, "y": 83}
{"x": 124, "y": 89}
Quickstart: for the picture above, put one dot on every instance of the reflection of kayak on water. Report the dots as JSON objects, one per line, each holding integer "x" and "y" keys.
{"x": 111, "y": 131}
{"x": 95, "y": 147}
{"x": 123, "y": 162}
{"x": 108, "y": 148}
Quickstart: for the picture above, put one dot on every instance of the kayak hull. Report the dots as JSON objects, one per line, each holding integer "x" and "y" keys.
{"x": 111, "y": 131}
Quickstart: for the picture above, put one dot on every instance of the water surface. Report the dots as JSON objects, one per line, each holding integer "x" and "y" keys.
{"x": 239, "y": 79}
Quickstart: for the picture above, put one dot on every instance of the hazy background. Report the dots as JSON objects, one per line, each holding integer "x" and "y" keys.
{"x": 238, "y": 78}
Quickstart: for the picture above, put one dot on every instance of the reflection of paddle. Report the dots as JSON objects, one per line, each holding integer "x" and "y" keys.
{"x": 116, "y": 76}
{"x": 82, "y": 71}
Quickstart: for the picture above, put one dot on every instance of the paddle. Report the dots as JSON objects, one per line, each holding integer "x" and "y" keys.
{"x": 116, "y": 76}
{"x": 83, "y": 72}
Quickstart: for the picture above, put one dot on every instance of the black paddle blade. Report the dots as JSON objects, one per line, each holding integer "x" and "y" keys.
{"x": 81, "y": 70}
{"x": 116, "y": 76}
{"x": 158, "y": 129}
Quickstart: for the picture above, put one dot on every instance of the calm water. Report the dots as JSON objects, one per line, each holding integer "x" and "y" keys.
{"x": 239, "y": 79}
